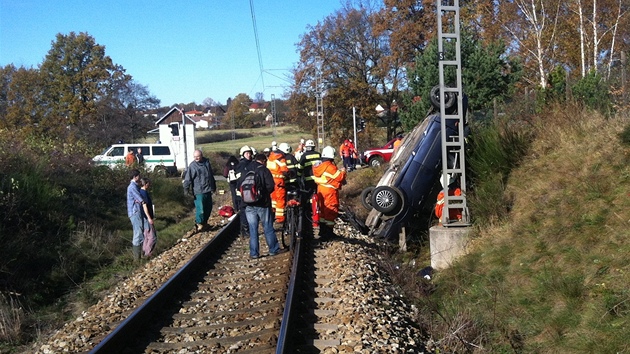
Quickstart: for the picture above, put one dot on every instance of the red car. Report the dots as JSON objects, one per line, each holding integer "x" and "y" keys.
{"x": 376, "y": 156}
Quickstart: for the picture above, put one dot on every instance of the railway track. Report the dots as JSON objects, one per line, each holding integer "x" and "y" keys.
{"x": 220, "y": 301}
{"x": 330, "y": 299}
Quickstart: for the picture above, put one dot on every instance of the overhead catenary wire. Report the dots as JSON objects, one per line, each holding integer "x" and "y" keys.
{"x": 260, "y": 63}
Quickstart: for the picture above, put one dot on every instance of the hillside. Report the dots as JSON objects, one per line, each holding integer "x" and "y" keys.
{"x": 552, "y": 275}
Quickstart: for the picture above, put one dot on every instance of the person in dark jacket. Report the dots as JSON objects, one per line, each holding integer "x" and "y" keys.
{"x": 139, "y": 157}
{"x": 305, "y": 166}
{"x": 200, "y": 177}
{"x": 229, "y": 172}
{"x": 260, "y": 211}
{"x": 247, "y": 156}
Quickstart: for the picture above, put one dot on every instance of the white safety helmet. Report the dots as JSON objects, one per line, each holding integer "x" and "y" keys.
{"x": 284, "y": 147}
{"x": 328, "y": 152}
{"x": 266, "y": 150}
{"x": 245, "y": 149}
{"x": 310, "y": 143}
{"x": 301, "y": 141}
{"x": 254, "y": 152}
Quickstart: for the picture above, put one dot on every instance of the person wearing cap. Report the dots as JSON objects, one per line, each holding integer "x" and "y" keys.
{"x": 241, "y": 170}
{"x": 329, "y": 180}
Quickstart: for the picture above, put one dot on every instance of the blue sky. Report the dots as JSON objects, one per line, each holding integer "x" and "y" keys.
{"x": 183, "y": 51}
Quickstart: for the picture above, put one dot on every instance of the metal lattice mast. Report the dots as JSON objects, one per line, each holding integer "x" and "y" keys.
{"x": 274, "y": 120}
{"x": 320, "y": 108}
{"x": 453, "y": 152}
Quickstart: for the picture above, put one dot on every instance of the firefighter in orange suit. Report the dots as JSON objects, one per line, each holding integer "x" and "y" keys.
{"x": 455, "y": 214}
{"x": 277, "y": 164}
{"x": 329, "y": 180}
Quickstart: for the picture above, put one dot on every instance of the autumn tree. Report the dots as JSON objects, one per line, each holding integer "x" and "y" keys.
{"x": 238, "y": 115}
{"x": 409, "y": 24}
{"x": 77, "y": 76}
{"x": 21, "y": 106}
{"x": 343, "y": 54}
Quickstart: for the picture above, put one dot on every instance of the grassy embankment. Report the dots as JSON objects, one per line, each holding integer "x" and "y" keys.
{"x": 548, "y": 266}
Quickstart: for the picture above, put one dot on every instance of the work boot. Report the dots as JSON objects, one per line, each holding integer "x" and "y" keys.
{"x": 137, "y": 251}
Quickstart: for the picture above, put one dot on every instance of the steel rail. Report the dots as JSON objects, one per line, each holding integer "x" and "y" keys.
{"x": 288, "y": 313}
{"x": 118, "y": 339}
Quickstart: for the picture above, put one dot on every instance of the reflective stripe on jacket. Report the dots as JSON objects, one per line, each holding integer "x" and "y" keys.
{"x": 328, "y": 175}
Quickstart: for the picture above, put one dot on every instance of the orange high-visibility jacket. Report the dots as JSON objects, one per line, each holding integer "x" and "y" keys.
{"x": 130, "y": 159}
{"x": 329, "y": 180}
{"x": 454, "y": 214}
{"x": 277, "y": 164}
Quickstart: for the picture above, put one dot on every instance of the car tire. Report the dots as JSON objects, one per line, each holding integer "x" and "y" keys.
{"x": 435, "y": 98}
{"x": 376, "y": 161}
{"x": 387, "y": 200}
{"x": 366, "y": 198}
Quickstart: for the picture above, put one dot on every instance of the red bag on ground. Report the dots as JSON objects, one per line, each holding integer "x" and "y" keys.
{"x": 226, "y": 211}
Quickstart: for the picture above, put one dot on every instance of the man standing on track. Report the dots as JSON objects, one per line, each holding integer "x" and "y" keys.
{"x": 241, "y": 169}
{"x": 200, "y": 177}
{"x": 329, "y": 180}
{"x": 260, "y": 211}
{"x": 277, "y": 164}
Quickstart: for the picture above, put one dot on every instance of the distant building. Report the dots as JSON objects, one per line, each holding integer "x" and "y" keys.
{"x": 258, "y": 108}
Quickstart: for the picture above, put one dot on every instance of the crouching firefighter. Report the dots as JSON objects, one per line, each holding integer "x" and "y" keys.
{"x": 329, "y": 180}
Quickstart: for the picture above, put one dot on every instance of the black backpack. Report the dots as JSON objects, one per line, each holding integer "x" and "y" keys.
{"x": 250, "y": 188}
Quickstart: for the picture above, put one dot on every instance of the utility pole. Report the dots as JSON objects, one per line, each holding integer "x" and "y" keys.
{"x": 274, "y": 120}
{"x": 453, "y": 157}
{"x": 319, "y": 106}
{"x": 233, "y": 126}
{"x": 354, "y": 125}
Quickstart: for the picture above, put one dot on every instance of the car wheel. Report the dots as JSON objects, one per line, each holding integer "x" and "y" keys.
{"x": 366, "y": 198}
{"x": 376, "y": 161}
{"x": 387, "y": 200}
{"x": 435, "y": 98}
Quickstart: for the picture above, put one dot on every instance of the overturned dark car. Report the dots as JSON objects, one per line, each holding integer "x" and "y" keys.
{"x": 406, "y": 186}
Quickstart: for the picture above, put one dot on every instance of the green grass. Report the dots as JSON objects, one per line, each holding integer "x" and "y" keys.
{"x": 221, "y": 141}
{"x": 547, "y": 269}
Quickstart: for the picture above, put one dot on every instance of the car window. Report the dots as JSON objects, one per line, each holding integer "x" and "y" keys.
{"x": 161, "y": 150}
{"x": 117, "y": 151}
{"x": 145, "y": 150}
